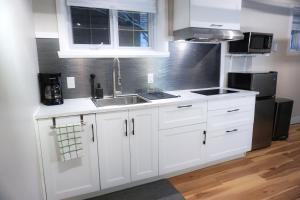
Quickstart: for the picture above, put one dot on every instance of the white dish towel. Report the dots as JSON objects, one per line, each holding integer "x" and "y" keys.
{"x": 69, "y": 141}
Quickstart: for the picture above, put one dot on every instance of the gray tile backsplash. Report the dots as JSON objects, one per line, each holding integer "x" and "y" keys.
{"x": 190, "y": 65}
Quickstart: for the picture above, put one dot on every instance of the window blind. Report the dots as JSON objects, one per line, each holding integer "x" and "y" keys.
{"x": 296, "y": 19}
{"x": 148, "y": 6}
{"x": 295, "y": 33}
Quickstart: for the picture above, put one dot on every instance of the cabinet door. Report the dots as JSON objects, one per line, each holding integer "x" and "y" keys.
{"x": 217, "y": 14}
{"x": 144, "y": 143}
{"x": 180, "y": 148}
{"x": 113, "y": 146}
{"x": 73, "y": 177}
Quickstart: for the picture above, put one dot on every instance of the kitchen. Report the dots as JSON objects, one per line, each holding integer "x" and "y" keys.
{"x": 171, "y": 137}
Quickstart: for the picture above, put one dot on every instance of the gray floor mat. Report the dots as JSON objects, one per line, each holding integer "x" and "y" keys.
{"x": 159, "y": 190}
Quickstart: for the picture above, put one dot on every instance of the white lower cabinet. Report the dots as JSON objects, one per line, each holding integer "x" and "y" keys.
{"x": 132, "y": 145}
{"x": 65, "y": 179}
{"x": 128, "y": 146}
{"x": 180, "y": 148}
{"x": 113, "y": 146}
{"x": 144, "y": 144}
{"x": 228, "y": 142}
{"x": 229, "y": 128}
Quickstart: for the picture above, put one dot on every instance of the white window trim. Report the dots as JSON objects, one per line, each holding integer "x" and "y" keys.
{"x": 158, "y": 41}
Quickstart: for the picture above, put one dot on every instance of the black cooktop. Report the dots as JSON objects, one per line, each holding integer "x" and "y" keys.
{"x": 155, "y": 95}
{"x": 214, "y": 92}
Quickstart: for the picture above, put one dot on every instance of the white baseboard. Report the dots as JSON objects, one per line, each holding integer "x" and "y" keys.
{"x": 295, "y": 119}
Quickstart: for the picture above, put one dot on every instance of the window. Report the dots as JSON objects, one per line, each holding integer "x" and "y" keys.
{"x": 133, "y": 29}
{"x": 92, "y": 26}
{"x": 112, "y": 28}
{"x": 295, "y": 32}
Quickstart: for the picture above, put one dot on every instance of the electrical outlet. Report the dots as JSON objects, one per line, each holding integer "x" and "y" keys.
{"x": 150, "y": 78}
{"x": 71, "y": 82}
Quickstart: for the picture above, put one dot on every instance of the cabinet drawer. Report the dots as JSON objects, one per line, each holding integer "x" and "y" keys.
{"x": 182, "y": 114}
{"x": 228, "y": 144}
{"x": 231, "y": 103}
{"x": 232, "y": 129}
{"x": 227, "y": 118}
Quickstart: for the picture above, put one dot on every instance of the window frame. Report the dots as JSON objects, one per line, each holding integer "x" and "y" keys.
{"x": 114, "y": 34}
{"x": 88, "y": 46}
{"x": 291, "y": 51}
{"x": 151, "y": 27}
{"x": 159, "y": 43}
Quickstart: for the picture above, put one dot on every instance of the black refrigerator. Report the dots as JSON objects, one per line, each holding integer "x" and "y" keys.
{"x": 264, "y": 83}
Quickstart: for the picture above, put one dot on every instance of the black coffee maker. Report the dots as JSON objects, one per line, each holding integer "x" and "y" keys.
{"x": 51, "y": 89}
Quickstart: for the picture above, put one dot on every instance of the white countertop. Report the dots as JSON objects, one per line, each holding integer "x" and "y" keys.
{"x": 86, "y": 106}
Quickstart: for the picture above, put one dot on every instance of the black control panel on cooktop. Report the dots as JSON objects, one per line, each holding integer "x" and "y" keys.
{"x": 214, "y": 92}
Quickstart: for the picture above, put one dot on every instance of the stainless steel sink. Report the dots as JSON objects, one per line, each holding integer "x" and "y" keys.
{"x": 120, "y": 100}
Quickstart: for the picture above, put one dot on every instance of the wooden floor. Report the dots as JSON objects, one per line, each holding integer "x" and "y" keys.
{"x": 272, "y": 173}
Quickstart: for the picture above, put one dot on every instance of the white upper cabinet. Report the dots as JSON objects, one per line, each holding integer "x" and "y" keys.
{"x": 224, "y": 14}
{"x": 65, "y": 179}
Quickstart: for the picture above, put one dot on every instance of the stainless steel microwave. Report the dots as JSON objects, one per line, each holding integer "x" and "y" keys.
{"x": 252, "y": 43}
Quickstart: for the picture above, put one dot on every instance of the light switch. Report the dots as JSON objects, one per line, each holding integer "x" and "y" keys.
{"x": 71, "y": 82}
{"x": 150, "y": 78}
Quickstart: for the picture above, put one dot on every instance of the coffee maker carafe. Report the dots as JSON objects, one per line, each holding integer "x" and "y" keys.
{"x": 51, "y": 89}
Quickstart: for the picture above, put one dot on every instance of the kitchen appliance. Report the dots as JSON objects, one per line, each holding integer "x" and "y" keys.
{"x": 206, "y": 21}
{"x": 155, "y": 94}
{"x": 50, "y": 89}
{"x": 264, "y": 83}
{"x": 252, "y": 43}
{"x": 210, "y": 92}
{"x": 207, "y": 34}
{"x": 282, "y": 118}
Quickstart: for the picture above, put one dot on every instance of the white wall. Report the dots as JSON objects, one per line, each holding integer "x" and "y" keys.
{"x": 265, "y": 18}
{"x": 19, "y": 171}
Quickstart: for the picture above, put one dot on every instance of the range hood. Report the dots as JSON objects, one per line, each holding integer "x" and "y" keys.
{"x": 207, "y": 20}
{"x": 207, "y": 34}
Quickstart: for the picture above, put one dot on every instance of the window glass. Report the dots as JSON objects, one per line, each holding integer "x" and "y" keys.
{"x": 295, "y": 33}
{"x": 295, "y": 40}
{"x": 90, "y": 25}
{"x": 133, "y": 29}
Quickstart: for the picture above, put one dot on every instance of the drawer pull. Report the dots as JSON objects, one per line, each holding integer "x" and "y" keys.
{"x": 235, "y": 110}
{"x": 133, "y": 131}
{"x": 204, "y": 133}
{"x": 185, "y": 106}
{"x": 234, "y": 130}
{"x": 126, "y": 133}
{"x": 93, "y": 137}
{"x": 216, "y": 25}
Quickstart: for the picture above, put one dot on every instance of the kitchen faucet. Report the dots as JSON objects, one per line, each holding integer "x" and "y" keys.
{"x": 115, "y": 92}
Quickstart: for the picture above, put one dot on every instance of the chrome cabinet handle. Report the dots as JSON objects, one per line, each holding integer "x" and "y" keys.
{"x": 235, "y": 110}
{"x": 216, "y": 25}
{"x": 126, "y": 134}
{"x": 132, "y": 126}
{"x": 234, "y": 130}
{"x": 204, "y": 133}
{"x": 185, "y": 106}
{"x": 93, "y": 134}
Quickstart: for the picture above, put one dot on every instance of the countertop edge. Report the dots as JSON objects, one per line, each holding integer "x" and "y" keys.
{"x": 89, "y": 108}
